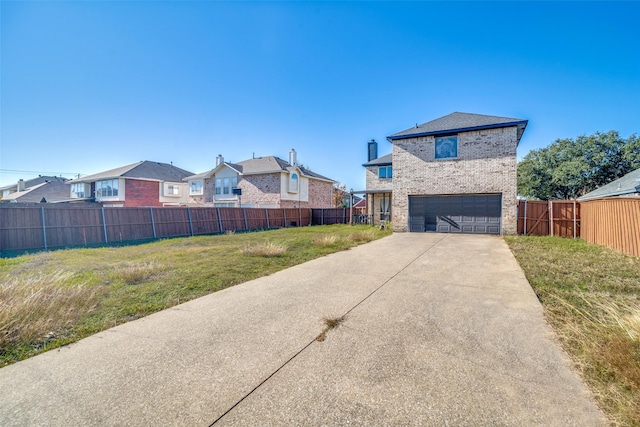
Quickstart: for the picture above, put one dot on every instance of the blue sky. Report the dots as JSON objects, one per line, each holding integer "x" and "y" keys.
{"x": 90, "y": 86}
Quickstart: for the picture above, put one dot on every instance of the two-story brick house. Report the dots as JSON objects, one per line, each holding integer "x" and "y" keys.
{"x": 264, "y": 182}
{"x": 139, "y": 184}
{"x": 454, "y": 174}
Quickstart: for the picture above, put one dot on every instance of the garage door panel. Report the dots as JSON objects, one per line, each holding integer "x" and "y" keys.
{"x": 456, "y": 214}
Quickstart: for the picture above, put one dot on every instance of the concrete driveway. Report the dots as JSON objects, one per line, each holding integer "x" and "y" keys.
{"x": 439, "y": 330}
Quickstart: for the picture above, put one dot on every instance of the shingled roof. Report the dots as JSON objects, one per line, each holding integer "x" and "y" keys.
{"x": 626, "y": 186}
{"x": 380, "y": 161}
{"x": 460, "y": 122}
{"x": 261, "y": 165}
{"x": 141, "y": 170}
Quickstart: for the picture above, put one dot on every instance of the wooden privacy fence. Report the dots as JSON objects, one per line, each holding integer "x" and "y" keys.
{"x": 552, "y": 218}
{"x": 613, "y": 222}
{"x": 53, "y": 226}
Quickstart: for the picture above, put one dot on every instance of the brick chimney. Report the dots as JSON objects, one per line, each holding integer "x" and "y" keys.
{"x": 372, "y": 150}
{"x": 219, "y": 160}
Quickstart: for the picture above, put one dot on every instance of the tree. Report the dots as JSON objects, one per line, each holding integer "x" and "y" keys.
{"x": 340, "y": 196}
{"x": 568, "y": 168}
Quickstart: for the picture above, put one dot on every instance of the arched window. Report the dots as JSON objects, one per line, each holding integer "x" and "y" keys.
{"x": 293, "y": 182}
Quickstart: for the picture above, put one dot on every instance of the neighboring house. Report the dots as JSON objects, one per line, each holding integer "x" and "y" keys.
{"x": 264, "y": 182}
{"x": 144, "y": 183}
{"x": 48, "y": 189}
{"x": 627, "y": 186}
{"x": 453, "y": 174}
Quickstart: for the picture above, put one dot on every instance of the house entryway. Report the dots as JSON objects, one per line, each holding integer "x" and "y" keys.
{"x": 467, "y": 213}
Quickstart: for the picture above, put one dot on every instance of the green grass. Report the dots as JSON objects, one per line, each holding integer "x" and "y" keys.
{"x": 591, "y": 297}
{"x": 54, "y": 298}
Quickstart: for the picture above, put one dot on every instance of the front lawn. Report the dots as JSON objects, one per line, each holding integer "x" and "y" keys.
{"x": 590, "y": 296}
{"x": 50, "y": 299}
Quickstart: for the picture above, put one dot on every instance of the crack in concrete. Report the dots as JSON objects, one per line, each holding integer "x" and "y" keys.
{"x": 315, "y": 339}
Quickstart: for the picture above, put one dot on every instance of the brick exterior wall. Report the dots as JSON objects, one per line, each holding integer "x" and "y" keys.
{"x": 141, "y": 193}
{"x": 260, "y": 189}
{"x": 486, "y": 164}
{"x": 320, "y": 194}
{"x": 374, "y": 183}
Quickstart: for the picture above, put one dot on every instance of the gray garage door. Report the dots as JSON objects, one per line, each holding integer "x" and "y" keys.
{"x": 477, "y": 213}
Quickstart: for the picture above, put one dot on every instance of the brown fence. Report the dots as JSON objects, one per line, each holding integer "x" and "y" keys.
{"x": 25, "y": 228}
{"x": 613, "y": 222}
{"x": 553, "y": 218}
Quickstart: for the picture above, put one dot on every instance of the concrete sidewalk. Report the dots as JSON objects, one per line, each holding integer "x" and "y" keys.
{"x": 440, "y": 330}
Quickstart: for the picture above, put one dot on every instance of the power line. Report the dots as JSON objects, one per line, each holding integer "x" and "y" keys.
{"x": 41, "y": 172}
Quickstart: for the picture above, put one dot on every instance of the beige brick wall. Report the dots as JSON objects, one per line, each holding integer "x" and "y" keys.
{"x": 320, "y": 194}
{"x": 260, "y": 190}
{"x": 374, "y": 183}
{"x": 486, "y": 164}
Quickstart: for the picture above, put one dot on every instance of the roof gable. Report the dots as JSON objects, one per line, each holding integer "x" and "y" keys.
{"x": 460, "y": 122}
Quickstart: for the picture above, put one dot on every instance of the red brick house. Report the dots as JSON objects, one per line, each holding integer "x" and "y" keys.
{"x": 264, "y": 182}
{"x": 144, "y": 183}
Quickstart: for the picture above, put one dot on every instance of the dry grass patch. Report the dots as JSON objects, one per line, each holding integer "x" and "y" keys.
{"x": 591, "y": 297}
{"x": 36, "y": 309}
{"x": 363, "y": 236}
{"x": 264, "y": 249}
{"x": 330, "y": 323}
{"x": 134, "y": 273}
{"x": 326, "y": 240}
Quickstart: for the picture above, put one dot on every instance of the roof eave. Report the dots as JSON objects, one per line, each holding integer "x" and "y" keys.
{"x": 522, "y": 123}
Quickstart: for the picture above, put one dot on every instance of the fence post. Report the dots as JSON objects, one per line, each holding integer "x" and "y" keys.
{"x": 284, "y": 212}
{"x": 44, "y": 228}
{"x": 153, "y": 223}
{"x": 574, "y": 219}
{"x": 104, "y": 226}
{"x": 299, "y": 216}
{"x": 190, "y": 223}
{"x": 244, "y": 213}
{"x": 550, "y": 218}
{"x": 321, "y": 216}
{"x": 344, "y": 214}
{"x": 266, "y": 213}
{"x": 219, "y": 221}
{"x": 525, "y": 217}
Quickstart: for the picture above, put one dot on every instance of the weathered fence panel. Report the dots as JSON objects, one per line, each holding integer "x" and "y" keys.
{"x": 276, "y": 217}
{"x": 330, "y": 216}
{"x": 553, "y": 218}
{"x": 124, "y": 224}
{"x": 204, "y": 221}
{"x": 35, "y": 227}
{"x": 613, "y": 222}
{"x": 171, "y": 222}
{"x": 21, "y": 229}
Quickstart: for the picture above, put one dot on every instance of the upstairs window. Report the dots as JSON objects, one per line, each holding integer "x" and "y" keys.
{"x": 173, "y": 190}
{"x": 107, "y": 188}
{"x": 293, "y": 183}
{"x": 224, "y": 185}
{"x": 385, "y": 172}
{"x": 195, "y": 187}
{"x": 77, "y": 191}
{"x": 446, "y": 147}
